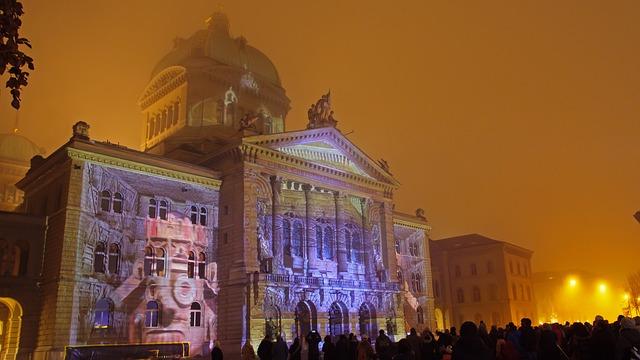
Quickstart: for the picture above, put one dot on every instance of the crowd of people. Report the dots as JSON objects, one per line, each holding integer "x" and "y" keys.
{"x": 599, "y": 340}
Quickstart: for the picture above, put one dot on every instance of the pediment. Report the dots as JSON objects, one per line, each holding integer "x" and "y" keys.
{"x": 327, "y": 147}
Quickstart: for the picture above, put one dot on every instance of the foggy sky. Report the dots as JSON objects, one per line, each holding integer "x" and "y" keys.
{"x": 515, "y": 119}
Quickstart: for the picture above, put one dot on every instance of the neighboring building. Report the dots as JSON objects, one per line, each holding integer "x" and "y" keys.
{"x": 228, "y": 227}
{"x": 481, "y": 279}
{"x": 16, "y": 152}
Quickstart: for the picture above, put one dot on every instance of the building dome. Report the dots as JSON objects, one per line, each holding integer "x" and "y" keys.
{"x": 216, "y": 44}
{"x": 18, "y": 148}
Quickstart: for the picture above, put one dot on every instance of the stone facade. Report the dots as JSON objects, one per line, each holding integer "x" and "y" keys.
{"x": 480, "y": 279}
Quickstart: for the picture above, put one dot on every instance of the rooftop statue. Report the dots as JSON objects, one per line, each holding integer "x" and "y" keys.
{"x": 320, "y": 113}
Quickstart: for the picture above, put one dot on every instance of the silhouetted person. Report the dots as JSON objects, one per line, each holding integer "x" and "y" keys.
{"x": 328, "y": 349}
{"x": 295, "y": 349}
{"x": 264, "y": 349}
{"x": 342, "y": 348}
{"x": 404, "y": 350}
{"x": 629, "y": 338}
{"x": 216, "y": 352}
{"x": 365, "y": 350}
{"x": 415, "y": 343}
{"x": 247, "y": 351}
{"x": 548, "y": 345}
{"x": 603, "y": 343}
{"x": 313, "y": 339}
{"x": 353, "y": 347}
{"x": 428, "y": 349}
{"x": 280, "y": 350}
{"x": 383, "y": 346}
{"x": 469, "y": 346}
{"x": 528, "y": 339}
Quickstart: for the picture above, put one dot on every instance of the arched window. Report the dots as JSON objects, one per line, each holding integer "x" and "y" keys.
{"x": 286, "y": 235}
{"x": 476, "y": 294}
{"x": 460, "y": 296}
{"x": 319, "y": 243}
{"x": 105, "y": 200}
{"x": 348, "y": 243}
{"x": 328, "y": 243}
{"x": 413, "y": 282}
{"x": 474, "y": 269}
{"x": 163, "y": 209}
{"x": 297, "y": 238}
{"x": 176, "y": 112}
{"x": 510, "y": 267}
{"x": 152, "y": 208}
{"x": 117, "y": 203}
{"x": 152, "y": 314}
{"x": 102, "y": 313}
{"x": 114, "y": 258}
{"x": 490, "y": 267}
{"x": 191, "y": 265}
{"x": 195, "y": 315}
{"x": 203, "y": 216}
{"x": 356, "y": 247}
{"x": 148, "y": 260}
{"x": 160, "y": 262}
{"x": 201, "y": 265}
{"x": 149, "y": 127}
{"x": 420, "y": 314}
{"x": 194, "y": 215}
{"x": 418, "y": 283}
{"x": 99, "y": 258}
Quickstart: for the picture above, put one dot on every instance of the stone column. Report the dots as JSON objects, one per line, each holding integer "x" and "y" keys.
{"x": 341, "y": 250}
{"x": 367, "y": 246}
{"x": 388, "y": 241}
{"x": 276, "y": 228}
{"x": 309, "y": 246}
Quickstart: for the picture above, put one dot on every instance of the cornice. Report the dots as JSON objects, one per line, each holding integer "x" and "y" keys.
{"x": 162, "y": 84}
{"x": 143, "y": 169}
{"x": 411, "y": 224}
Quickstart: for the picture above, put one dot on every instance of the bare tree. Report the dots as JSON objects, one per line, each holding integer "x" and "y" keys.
{"x": 12, "y": 59}
{"x": 633, "y": 280}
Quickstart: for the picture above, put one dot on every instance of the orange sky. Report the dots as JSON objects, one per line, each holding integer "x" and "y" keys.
{"x": 515, "y": 119}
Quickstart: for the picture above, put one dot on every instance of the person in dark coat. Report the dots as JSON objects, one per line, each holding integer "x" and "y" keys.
{"x": 216, "y": 352}
{"x": 415, "y": 343}
{"x": 353, "y": 347}
{"x": 295, "y": 349}
{"x": 528, "y": 339}
{"x": 280, "y": 350}
{"x": 328, "y": 349}
{"x": 383, "y": 346}
{"x": 342, "y": 348}
{"x": 603, "y": 343}
{"x": 265, "y": 348}
{"x": 404, "y": 350}
{"x": 313, "y": 339}
{"x": 469, "y": 345}
{"x": 628, "y": 340}
{"x": 428, "y": 349}
{"x": 548, "y": 348}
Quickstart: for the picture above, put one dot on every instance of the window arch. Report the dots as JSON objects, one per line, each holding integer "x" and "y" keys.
{"x": 195, "y": 315}
{"x": 476, "y": 294}
{"x": 102, "y": 313}
{"x": 203, "y": 216}
{"x": 418, "y": 282}
{"x": 347, "y": 241}
{"x": 460, "y": 296}
{"x": 99, "y": 258}
{"x": 152, "y": 314}
{"x": 194, "y": 215}
{"x": 163, "y": 209}
{"x": 328, "y": 243}
{"x": 202, "y": 265}
{"x": 152, "y": 208}
{"x": 148, "y": 260}
{"x": 420, "y": 314}
{"x": 191, "y": 265}
{"x": 160, "y": 262}
{"x": 114, "y": 258}
{"x": 105, "y": 200}
{"x": 297, "y": 239}
{"x": 117, "y": 203}
{"x": 319, "y": 242}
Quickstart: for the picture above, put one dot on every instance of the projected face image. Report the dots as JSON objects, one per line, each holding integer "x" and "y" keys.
{"x": 149, "y": 260}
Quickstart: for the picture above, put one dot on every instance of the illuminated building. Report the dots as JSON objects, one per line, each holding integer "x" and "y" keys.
{"x": 481, "y": 279}
{"x": 226, "y": 226}
{"x": 15, "y": 153}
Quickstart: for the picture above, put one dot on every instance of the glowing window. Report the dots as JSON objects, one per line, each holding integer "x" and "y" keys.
{"x": 347, "y": 241}
{"x": 328, "y": 243}
{"x": 195, "y": 315}
{"x": 148, "y": 261}
{"x": 102, "y": 313}
{"x": 191, "y": 265}
{"x": 420, "y": 314}
{"x": 114, "y": 258}
{"x": 152, "y": 208}
{"x": 117, "y": 203}
{"x": 160, "y": 262}
{"x": 319, "y": 242}
{"x": 163, "y": 209}
{"x": 99, "y": 258}
{"x": 203, "y": 216}
{"x": 152, "y": 314}
{"x": 105, "y": 200}
{"x": 460, "y": 296}
{"x": 201, "y": 265}
{"x": 194, "y": 215}
{"x": 418, "y": 283}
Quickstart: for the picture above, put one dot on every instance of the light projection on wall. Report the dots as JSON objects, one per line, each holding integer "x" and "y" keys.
{"x": 148, "y": 268}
